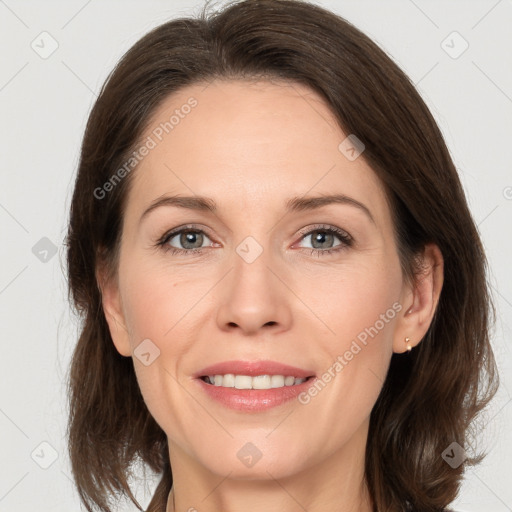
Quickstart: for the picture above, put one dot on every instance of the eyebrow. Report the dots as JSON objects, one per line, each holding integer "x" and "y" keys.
{"x": 294, "y": 204}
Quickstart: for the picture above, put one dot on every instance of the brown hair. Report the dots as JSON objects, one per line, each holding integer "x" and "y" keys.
{"x": 431, "y": 396}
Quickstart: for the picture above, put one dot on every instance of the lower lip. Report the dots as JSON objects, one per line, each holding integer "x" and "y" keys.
{"x": 254, "y": 400}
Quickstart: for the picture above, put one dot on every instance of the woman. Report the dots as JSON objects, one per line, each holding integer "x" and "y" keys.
{"x": 257, "y": 368}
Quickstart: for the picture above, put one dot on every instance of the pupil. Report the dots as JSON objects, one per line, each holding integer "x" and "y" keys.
{"x": 319, "y": 236}
{"x": 188, "y": 237}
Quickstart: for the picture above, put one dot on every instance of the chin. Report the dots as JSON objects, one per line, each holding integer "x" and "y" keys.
{"x": 245, "y": 461}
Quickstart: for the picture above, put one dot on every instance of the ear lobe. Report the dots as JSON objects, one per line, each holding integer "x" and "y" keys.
{"x": 113, "y": 311}
{"x": 422, "y": 300}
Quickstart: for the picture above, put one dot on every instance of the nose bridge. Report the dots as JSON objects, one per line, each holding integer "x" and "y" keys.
{"x": 256, "y": 256}
{"x": 253, "y": 243}
{"x": 253, "y": 296}
{"x": 251, "y": 268}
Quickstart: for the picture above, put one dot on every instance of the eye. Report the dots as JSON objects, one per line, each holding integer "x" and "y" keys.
{"x": 190, "y": 239}
{"x": 323, "y": 237}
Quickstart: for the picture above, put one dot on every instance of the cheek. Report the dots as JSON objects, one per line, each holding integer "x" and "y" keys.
{"x": 161, "y": 306}
{"x": 361, "y": 320}
{"x": 156, "y": 301}
{"x": 354, "y": 298}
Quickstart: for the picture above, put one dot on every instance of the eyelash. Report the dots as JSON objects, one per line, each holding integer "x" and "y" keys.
{"x": 346, "y": 240}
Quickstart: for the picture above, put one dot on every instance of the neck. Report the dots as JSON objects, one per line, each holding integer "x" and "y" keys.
{"x": 362, "y": 504}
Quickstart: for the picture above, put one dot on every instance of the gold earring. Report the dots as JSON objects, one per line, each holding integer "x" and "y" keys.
{"x": 409, "y": 348}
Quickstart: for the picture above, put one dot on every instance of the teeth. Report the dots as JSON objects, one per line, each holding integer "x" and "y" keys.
{"x": 289, "y": 381}
{"x": 258, "y": 382}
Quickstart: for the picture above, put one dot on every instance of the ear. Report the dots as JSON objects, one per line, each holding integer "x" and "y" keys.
{"x": 113, "y": 310}
{"x": 419, "y": 300}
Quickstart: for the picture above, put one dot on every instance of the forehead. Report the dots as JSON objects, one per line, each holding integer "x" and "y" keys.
{"x": 249, "y": 144}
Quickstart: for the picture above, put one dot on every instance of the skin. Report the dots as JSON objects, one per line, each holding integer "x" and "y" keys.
{"x": 250, "y": 146}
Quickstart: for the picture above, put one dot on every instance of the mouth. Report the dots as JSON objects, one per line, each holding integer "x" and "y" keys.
{"x": 253, "y": 394}
{"x": 253, "y": 386}
{"x": 263, "y": 382}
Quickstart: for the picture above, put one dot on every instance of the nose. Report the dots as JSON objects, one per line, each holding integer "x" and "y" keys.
{"x": 253, "y": 296}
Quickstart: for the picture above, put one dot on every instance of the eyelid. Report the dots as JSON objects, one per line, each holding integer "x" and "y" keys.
{"x": 171, "y": 233}
{"x": 326, "y": 227}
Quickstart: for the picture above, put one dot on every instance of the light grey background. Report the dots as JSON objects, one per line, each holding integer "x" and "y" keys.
{"x": 44, "y": 105}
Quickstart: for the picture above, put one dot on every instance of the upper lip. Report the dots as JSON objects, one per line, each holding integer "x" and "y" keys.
{"x": 253, "y": 368}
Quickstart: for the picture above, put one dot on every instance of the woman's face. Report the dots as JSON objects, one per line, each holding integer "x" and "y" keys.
{"x": 279, "y": 277}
